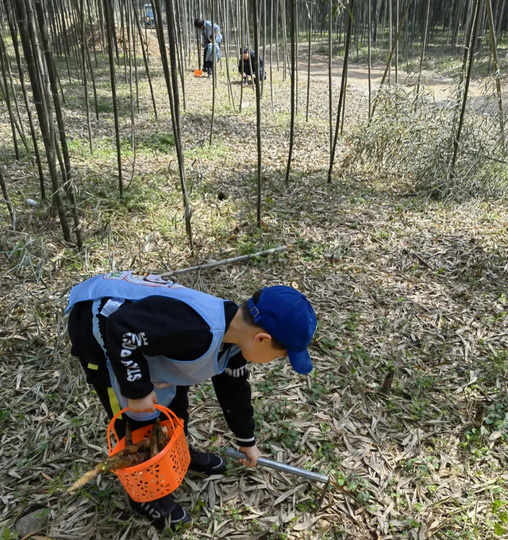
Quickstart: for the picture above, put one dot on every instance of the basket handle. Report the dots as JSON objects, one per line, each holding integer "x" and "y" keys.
{"x": 111, "y": 426}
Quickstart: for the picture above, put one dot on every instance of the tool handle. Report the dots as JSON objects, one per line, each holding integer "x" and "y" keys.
{"x": 279, "y": 466}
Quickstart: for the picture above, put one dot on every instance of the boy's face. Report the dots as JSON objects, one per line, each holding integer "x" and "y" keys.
{"x": 259, "y": 349}
{"x": 246, "y": 56}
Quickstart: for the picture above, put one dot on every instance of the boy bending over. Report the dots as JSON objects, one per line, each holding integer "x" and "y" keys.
{"x": 143, "y": 340}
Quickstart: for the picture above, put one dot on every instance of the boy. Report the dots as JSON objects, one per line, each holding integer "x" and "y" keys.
{"x": 247, "y": 66}
{"x": 143, "y": 340}
{"x": 206, "y": 34}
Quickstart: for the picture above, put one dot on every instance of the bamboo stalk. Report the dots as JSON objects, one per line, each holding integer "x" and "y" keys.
{"x": 214, "y": 73}
{"x": 309, "y": 11}
{"x": 24, "y": 19}
{"x": 293, "y": 61}
{"x": 7, "y": 201}
{"x": 493, "y": 49}
{"x": 456, "y": 139}
{"x": 25, "y": 98}
{"x": 111, "y": 38}
{"x": 172, "y": 85}
{"x": 342, "y": 88}
{"x": 258, "y": 107}
{"x": 388, "y": 63}
{"x": 424, "y": 45}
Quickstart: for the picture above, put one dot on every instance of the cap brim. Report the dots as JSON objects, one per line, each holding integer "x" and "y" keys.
{"x": 301, "y": 361}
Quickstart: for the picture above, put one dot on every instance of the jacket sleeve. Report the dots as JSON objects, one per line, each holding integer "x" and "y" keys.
{"x": 218, "y": 35}
{"x": 234, "y": 394}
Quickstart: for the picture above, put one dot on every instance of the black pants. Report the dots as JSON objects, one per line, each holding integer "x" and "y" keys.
{"x": 207, "y": 64}
{"x": 93, "y": 361}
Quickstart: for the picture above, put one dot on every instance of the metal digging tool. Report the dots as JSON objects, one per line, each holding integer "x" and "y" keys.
{"x": 317, "y": 477}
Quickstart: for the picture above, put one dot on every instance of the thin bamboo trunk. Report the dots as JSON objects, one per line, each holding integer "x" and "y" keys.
{"x": 369, "y": 53}
{"x": 401, "y": 24}
{"x": 342, "y": 88}
{"x": 131, "y": 60}
{"x": 7, "y": 71}
{"x": 226, "y": 53}
{"x": 297, "y": 31}
{"x": 493, "y": 48}
{"x": 242, "y": 16}
{"x": 52, "y": 75}
{"x": 8, "y": 201}
{"x": 92, "y": 33}
{"x": 42, "y": 112}
{"x": 92, "y": 77}
{"x": 85, "y": 79}
{"x": 330, "y": 53}
{"x": 397, "y": 43}
{"x": 309, "y": 10}
{"x": 110, "y": 29}
{"x": 179, "y": 52}
{"x": 7, "y": 98}
{"x": 258, "y": 106}
{"x": 174, "y": 100}
{"x": 277, "y": 31}
{"x": 145, "y": 58}
{"x": 293, "y": 61}
{"x": 214, "y": 72}
{"x": 272, "y": 21}
{"x": 21, "y": 75}
{"x": 500, "y": 19}
{"x": 263, "y": 56}
{"x": 64, "y": 33}
{"x": 390, "y": 42}
{"x": 424, "y": 45}
{"x": 472, "y": 40}
{"x": 284, "y": 38}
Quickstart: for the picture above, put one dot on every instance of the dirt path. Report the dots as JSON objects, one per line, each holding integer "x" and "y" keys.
{"x": 358, "y": 77}
{"x": 439, "y": 86}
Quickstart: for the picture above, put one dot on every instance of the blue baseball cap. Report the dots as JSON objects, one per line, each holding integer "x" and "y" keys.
{"x": 287, "y": 316}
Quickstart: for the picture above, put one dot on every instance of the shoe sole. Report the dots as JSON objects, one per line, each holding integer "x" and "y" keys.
{"x": 220, "y": 468}
{"x": 180, "y": 523}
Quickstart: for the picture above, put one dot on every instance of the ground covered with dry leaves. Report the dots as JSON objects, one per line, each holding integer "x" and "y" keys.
{"x": 407, "y": 409}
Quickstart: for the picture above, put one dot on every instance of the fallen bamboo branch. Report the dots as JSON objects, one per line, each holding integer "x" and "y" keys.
{"x": 224, "y": 261}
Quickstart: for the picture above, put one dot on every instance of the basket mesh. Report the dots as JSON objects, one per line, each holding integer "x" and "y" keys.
{"x": 161, "y": 474}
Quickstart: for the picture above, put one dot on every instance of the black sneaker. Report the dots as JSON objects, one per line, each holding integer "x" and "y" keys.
{"x": 205, "y": 462}
{"x": 162, "y": 512}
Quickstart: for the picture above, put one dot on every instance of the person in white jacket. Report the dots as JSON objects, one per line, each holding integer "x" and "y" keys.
{"x": 206, "y": 33}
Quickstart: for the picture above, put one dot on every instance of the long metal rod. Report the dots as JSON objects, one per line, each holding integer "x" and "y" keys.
{"x": 224, "y": 261}
{"x": 280, "y": 466}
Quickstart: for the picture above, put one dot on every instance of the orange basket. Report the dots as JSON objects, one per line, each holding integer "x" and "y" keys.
{"x": 161, "y": 474}
{"x": 198, "y": 73}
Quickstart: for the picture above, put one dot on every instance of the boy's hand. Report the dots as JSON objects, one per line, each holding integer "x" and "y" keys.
{"x": 144, "y": 404}
{"x": 252, "y": 453}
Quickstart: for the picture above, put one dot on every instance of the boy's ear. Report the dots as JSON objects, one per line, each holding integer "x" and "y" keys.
{"x": 262, "y": 336}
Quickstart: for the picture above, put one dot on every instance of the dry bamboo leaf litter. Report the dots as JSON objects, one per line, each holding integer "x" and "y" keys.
{"x": 419, "y": 289}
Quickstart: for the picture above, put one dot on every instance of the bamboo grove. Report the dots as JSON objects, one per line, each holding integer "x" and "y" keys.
{"x": 36, "y": 36}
